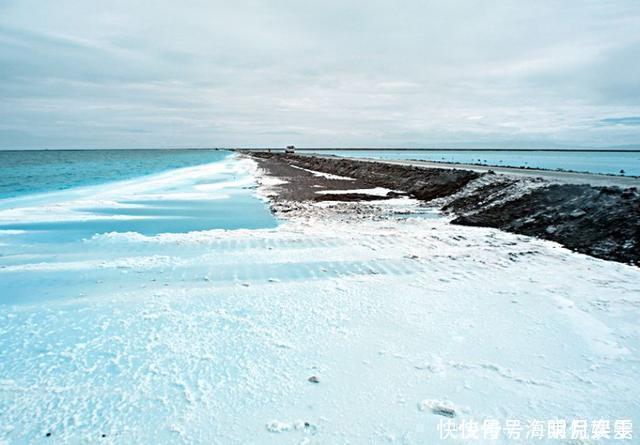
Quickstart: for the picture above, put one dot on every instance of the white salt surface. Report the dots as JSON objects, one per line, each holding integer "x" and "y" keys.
{"x": 210, "y": 337}
{"x": 377, "y": 191}
{"x": 324, "y": 175}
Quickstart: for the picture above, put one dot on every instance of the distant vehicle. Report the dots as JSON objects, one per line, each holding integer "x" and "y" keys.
{"x": 290, "y": 149}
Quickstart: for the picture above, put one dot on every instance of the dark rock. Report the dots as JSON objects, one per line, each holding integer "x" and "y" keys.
{"x": 443, "y": 411}
{"x": 314, "y": 379}
{"x": 609, "y": 230}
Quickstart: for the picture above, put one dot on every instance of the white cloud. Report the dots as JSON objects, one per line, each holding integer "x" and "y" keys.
{"x": 257, "y": 73}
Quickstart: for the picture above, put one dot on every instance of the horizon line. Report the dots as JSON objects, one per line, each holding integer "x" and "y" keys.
{"x": 629, "y": 150}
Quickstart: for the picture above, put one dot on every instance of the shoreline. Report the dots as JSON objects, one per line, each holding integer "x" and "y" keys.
{"x": 602, "y": 222}
{"x": 559, "y": 176}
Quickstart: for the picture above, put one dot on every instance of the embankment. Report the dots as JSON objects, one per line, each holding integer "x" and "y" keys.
{"x": 603, "y": 222}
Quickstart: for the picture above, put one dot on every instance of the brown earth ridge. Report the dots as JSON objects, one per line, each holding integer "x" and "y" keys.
{"x": 603, "y": 222}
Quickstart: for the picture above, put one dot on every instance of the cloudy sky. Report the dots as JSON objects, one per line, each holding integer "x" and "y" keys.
{"x": 450, "y": 73}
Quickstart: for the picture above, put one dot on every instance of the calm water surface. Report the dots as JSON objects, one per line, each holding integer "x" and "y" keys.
{"x": 62, "y": 196}
{"x": 611, "y": 163}
{"x": 23, "y": 172}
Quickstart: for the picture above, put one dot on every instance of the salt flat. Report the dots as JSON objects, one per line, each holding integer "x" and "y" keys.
{"x": 211, "y": 336}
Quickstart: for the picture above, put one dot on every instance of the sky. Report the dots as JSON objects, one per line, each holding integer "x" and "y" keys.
{"x": 191, "y": 73}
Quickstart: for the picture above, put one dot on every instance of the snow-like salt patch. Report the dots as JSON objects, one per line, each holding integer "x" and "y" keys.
{"x": 276, "y": 426}
{"x": 267, "y": 184}
{"x": 324, "y": 175}
{"x": 377, "y": 191}
{"x": 270, "y": 181}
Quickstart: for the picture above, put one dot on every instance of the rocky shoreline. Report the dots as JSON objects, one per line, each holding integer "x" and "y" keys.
{"x": 603, "y": 222}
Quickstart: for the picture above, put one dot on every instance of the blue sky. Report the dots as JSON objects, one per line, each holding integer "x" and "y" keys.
{"x": 118, "y": 74}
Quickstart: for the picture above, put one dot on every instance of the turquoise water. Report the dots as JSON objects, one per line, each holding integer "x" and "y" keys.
{"x": 24, "y": 172}
{"x": 68, "y": 196}
{"x": 610, "y": 163}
